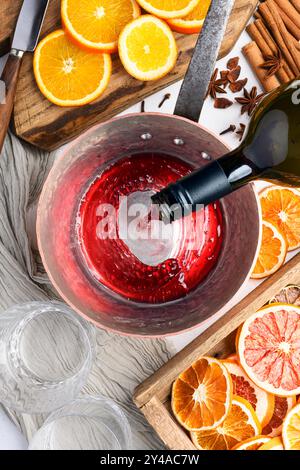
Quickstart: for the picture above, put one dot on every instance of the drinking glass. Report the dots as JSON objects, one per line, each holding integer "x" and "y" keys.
{"x": 91, "y": 423}
{"x": 46, "y": 353}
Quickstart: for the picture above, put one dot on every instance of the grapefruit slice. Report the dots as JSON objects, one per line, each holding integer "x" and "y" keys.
{"x": 269, "y": 349}
{"x": 240, "y": 424}
{"x": 282, "y": 406}
{"x": 273, "y": 444}
{"x": 262, "y": 402}
{"x": 201, "y": 396}
{"x": 254, "y": 443}
{"x": 291, "y": 429}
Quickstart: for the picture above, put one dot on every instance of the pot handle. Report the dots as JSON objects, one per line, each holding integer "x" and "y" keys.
{"x": 193, "y": 90}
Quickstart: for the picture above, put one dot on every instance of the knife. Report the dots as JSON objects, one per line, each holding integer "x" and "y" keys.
{"x": 203, "y": 61}
{"x": 25, "y": 39}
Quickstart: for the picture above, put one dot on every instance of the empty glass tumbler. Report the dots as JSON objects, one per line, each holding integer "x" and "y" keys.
{"x": 46, "y": 353}
{"x": 91, "y": 423}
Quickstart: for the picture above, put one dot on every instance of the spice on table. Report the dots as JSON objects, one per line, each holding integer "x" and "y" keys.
{"x": 241, "y": 131}
{"x": 237, "y": 86}
{"x": 250, "y": 100}
{"x": 233, "y": 63}
{"x": 222, "y": 103}
{"x": 234, "y": 74}
{"x": 143, "y": 106}
{"x": 215, "y": 85}
{"x": 165, "y": 98}
{"x": 231, "y": 128}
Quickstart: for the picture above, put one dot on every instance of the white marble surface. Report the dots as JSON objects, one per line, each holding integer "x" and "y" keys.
{"x": 215, "y": 120}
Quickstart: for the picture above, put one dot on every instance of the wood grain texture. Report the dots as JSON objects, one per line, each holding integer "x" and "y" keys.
{"x": 217, "y": 341}
{"x": 48, "y": 126}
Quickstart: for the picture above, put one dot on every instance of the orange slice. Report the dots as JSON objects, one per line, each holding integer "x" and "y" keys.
{"x": 240, "y": 424}
{"x": 269, "y": 350}
{"x": 193, "y": 22}
{"x": 168, "y": 8}
{"x": 97, "y": 25}
{"x": 201, "y": 396}
{"x": 272, "y": 252}
{"x": 291, "y": 429}
{"x": 281, "y": 207}
{"x": 68, "y": 75}
{"x": 282, "y": 406}
{"x": 254, "y": 443}
{"x": 273, "y": 444}
{"x": 288, "y": 295}
{"x": 262, "y": 402}
{"x": 147, "y": 48}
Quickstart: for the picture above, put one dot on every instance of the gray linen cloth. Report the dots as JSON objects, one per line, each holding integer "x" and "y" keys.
{"x": 120, "y": 363}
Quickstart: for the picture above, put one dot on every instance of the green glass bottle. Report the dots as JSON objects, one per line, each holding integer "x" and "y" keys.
{"x": 270, "y": 151}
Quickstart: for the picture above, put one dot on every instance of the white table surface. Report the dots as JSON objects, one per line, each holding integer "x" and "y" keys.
{"x": 215, "y": 120}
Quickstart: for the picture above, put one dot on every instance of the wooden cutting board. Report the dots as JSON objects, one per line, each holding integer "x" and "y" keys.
{"x": 48, "y": 126}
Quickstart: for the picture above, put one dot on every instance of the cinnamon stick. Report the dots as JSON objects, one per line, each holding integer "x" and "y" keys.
{"x": 280, "y": 33}
{"x": 267, "y": 47}
{"x": 290, "y": 25}
{"x": 255, "y": 58}
{"x": 296, "y": 4}
{"x": 290, "y": 11}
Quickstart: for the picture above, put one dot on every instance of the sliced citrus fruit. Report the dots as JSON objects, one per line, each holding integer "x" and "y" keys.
{"x": 168, "y": 8}
{"x": 67, "y": 75}
{"x": 272, "y": 252}
{"x": 193, "y": 22}
{"x": 147, "y": 48}
{"x": 201, "y": 396}
{"x": 291, "y": 429}
{"x": 288, "y": 295}
{"x": 269, "y": 349}
{"x": 281, "y": 207}
{"x": 97, "y": 24}
{"x": 273, "y": 444}
{"x": 240, "y": 424}
{"x": 282, "y": 406}
{"x": 262, "y": 402}
{"x": 254, "y": 443}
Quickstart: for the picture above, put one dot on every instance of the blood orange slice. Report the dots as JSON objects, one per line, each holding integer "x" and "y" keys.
{"x": 253, "y": 443}
{"x": 269, "y": 349}
{"x": 282, "y": 406}
{"x": 262, "y": 402}
{"x": 273, "y": 444}
{"x": 201, "y": 396}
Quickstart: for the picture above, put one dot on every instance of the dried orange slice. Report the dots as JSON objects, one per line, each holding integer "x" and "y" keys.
{"x": 97, "y": 25}
{"x": 147, "y": 48}
{"x": 281, "y": 207}
{"x": 281, "y": 408}
{"x": 68, "y": 75}
{"x": 201, "y": 396}
{"x": 193, "y": 22}
{"x": 240, "y": 424}
{"x": 288, "y": 295}
{"x": 254, "y": 443}
{"x": 262, "y": 402}
{"x": 269, "y": 349}
{"x": 273, "y": 444}
{"x": 291, "y": 429}
{"x": 272, "y": 252}
{"x": 168, "y": 8}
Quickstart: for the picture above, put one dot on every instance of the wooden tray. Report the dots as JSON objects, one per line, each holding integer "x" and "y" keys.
{"x": 48, "y": 126}
{"x": 153, "y": 396}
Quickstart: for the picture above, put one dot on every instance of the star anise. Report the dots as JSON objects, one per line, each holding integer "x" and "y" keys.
{"x": 272, "y": 63}
{"x": 215, "y": 85}
{"x": 250, "y": 100}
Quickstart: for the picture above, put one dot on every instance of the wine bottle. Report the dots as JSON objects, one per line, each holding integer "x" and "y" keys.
{"x": 270, "y": 151}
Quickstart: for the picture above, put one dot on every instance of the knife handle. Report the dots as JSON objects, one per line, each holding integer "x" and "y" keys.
{"x": 9, "y": 78}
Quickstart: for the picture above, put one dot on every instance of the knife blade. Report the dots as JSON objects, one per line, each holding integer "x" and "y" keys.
{"x": 29, "y": 25}
{"x": 193, "y": 91}
{"x": 25, "y": 39}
